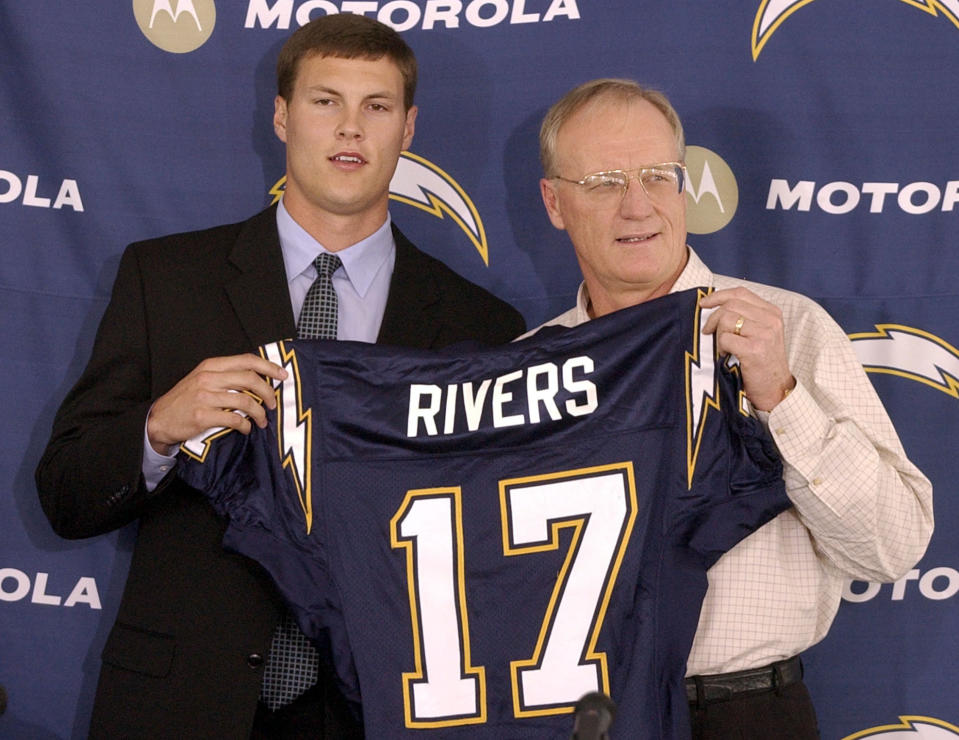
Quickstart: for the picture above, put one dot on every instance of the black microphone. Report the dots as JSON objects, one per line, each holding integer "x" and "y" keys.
{"x": 593, "y": 716}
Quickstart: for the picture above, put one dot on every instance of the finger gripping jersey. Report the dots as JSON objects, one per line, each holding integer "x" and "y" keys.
{"x": 477, "y": 538}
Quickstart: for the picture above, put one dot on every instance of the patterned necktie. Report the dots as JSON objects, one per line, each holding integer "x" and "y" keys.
{"x": 318, "y": 315}
{"x": 294, "y": 663}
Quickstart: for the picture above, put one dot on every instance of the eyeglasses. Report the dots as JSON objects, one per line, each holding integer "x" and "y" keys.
{"x": 659, "y": 181}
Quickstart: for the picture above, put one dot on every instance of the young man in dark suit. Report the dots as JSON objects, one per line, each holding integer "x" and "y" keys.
{"x": 187, "y": 655}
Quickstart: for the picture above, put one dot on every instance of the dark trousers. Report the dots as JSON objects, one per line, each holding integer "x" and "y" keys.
{"x": 782, "y": 713}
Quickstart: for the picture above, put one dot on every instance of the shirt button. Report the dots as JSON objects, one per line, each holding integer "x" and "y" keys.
{"x": 817, "y": 481}
{"x": 780, "y": 431}
{"x": 254, "y": 660}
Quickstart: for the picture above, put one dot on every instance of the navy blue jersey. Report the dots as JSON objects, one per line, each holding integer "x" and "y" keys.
{"x": 477, "y": 538}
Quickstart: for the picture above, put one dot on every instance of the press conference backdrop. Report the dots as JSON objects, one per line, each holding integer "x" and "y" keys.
{"x": 823, "y": 158}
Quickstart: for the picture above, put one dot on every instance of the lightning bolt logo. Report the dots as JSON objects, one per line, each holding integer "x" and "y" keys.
{"x": 198, "y": 447}
{"x": 419, "y": 183}
{"x": 911, "y": 353}
{"x": 772, "y": 14}
{"x": 910, "y": 728}
{"x": 294, "y": 427}
{"x": 277, "y": 190}
{"x": 702, "y": 391}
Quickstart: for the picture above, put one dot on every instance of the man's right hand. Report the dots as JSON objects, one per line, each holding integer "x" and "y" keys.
{"x": 210, "y": 395}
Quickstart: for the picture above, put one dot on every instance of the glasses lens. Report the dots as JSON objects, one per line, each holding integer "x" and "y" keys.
{"x": 605, "y": 183}
{"x": 661, "y": 181}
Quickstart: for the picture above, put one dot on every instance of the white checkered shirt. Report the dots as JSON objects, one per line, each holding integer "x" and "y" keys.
{"x": 861, "y": 509}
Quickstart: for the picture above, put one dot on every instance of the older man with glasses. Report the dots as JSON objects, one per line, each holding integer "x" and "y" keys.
{"x": 612, "y": 153}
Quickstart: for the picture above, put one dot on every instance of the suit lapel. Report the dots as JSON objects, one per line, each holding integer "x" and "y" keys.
{"x": 259, "y": 294}
{"x": 413, "y": 314}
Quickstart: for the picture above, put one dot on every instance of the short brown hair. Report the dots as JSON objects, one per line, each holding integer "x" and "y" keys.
{"x": 347, "y": 36}
{"x": 577, "y": 99}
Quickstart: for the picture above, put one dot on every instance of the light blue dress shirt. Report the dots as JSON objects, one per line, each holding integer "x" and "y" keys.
{"x": 362, "y": 285}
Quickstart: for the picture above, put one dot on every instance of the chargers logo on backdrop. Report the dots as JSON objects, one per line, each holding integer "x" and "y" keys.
{"x": 420, "y": 183}
{"x": 177, "y": 26}
{"x": 910, "y": 728}
{"x": 712, "y": 194}
{"x": 772, "y": 13}
{"x": 911, "y": 353}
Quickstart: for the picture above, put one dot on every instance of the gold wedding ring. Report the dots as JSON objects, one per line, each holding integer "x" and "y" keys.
{"x": 738, "y": 329}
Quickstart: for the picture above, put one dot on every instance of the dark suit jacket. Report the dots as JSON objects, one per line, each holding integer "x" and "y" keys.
{"x": 185, "y": 656}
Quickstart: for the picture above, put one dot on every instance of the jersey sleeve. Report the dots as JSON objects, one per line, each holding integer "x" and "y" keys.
{"x": 742, "y": 487}
{"x": 246, "y": 480}
{"x": 212, "y": 462}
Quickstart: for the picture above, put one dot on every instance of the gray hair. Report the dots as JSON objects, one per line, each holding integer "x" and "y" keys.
{"x": 579, "y": 97}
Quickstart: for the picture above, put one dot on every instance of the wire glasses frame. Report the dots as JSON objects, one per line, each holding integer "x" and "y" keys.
{"x": 659, "y": 181}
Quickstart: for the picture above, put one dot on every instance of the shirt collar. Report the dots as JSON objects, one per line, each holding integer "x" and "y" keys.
{"x": 694, "y": 275}
{"x": 361, "y": 261}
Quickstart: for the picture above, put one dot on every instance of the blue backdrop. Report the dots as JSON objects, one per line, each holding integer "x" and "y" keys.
{"x": 820, "y": 136}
